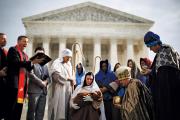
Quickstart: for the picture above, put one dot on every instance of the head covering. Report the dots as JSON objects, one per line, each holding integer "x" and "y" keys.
{"x": 123, "y": 72}
{"x": 134, "y": 70}
{"x": 115, "y": 66}
{"x": 107, "y": 64}
{"x": 79, "y": 76}
{"x": 66, "y": 52}
{"x": 147, "y": 61}
{"x": 55, "y": 67}
{"x": 152, "y": 39}
{"x": 104, "y": 78}
{"x": 92, "y": 88}
{"x": 39, "y": 51}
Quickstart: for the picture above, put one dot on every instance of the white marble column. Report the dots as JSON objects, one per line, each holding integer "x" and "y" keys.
{"x": 97, "y": 54}
{"x": 130, "y": 49}
{"x": 29, "y": 49}
{"x": 62, "y": 45}
{"x": 113, "y": 52}
{"x": 46, "y": 41}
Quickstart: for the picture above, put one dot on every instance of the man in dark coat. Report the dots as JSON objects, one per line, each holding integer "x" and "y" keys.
{"x": 165, "y": 78}
{"x": 3, "y": 70}
{"x": 37, "y": 89}
{"x": 18, "y": 67}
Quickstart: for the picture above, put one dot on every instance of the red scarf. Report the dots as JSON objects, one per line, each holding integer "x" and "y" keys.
{"x": 22, "y": 77}
{"x": 5, "y": 51}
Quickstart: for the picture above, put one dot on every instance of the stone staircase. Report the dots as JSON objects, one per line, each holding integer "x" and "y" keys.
{"x": 24, "y": 112}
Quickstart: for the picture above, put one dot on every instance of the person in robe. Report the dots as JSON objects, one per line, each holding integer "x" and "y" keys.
{"x": 17, "y": 77}
{"x": 165, "y": 78}
{"x": 117, "y": 65}
{"x": 61, "y": 88}
{"x": 103, "y": 78}
{"x": 119, "y": 92}
{"x": 135, "y": 71}
{"x": 86, "y": 100}
{"x": 145, "y": 64}
{"x": 80, "y": 72}
{"x": 137, "y": 103}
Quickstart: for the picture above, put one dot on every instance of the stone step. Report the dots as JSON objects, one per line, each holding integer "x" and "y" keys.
{"x": 24, "y": 112}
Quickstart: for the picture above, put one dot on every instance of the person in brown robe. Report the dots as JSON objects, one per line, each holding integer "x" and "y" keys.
{"x": 136, "y": 104}
{"x": 86, "y": 100}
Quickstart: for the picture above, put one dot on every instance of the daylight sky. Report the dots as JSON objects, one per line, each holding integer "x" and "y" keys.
{"x": 165, "y": 14}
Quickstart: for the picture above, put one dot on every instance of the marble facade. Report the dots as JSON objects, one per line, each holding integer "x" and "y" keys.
{"x": 100, "y": 31}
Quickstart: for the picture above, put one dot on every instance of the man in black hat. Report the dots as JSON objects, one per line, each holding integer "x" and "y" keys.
{"x": 165, "y": 78}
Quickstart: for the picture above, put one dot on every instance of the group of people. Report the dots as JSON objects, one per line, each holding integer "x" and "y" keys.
{"x": 14, "y": 70}
{"x": 124, "y": 93}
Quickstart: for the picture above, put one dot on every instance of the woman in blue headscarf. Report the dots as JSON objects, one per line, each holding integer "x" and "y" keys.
{"x": 80, "y": 72}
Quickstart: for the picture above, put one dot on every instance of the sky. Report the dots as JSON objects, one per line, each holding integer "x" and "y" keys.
{"x": 165, "y": 14}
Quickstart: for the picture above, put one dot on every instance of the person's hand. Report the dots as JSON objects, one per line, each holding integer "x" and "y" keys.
{"x": 75, "y": 106}
{"x": 37, "y": 60}
{"x": 117, "y": 106}
{"x": 45, "y": 82}
{"x": 3, "y": 72}
{"x": 96, "y": 95}
{"x": 26, "y": 98}
{"x": 103, "y": 89}
{"x": 72, "y": 81}
{"x": 87, "y": 98}
{"x": 97, "y": 92}
{"x": 148, "y": 71}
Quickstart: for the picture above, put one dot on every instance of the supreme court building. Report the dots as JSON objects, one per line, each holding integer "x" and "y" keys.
{"x": 100, "y": 31}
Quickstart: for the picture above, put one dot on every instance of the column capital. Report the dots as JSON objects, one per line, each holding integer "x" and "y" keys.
{"x": 31, "y": 38}
{"x": 61, "y": 36}
{"x": 129, "y": 41}
{"x": 29, "y": 49}
{"x": 79, "y": 40}
{"x": 97, "y": 40}
{"x": 46, "y": 41}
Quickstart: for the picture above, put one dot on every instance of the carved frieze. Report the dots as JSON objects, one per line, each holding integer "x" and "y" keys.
{"x": 87, "y": 13}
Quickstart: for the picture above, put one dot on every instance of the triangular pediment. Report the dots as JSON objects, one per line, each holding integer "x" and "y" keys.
{"x": 87, "y": 11}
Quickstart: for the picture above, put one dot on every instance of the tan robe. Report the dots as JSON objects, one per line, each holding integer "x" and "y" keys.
{"x": 60, "y": 91}
{"x": 137, "y": 102}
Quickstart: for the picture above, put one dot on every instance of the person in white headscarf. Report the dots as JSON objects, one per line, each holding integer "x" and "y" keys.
{"x": 86, "y": 100}
{"x": 61, "y": 87}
